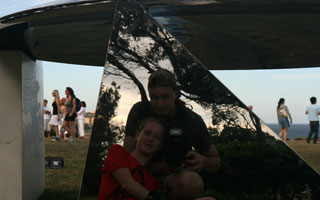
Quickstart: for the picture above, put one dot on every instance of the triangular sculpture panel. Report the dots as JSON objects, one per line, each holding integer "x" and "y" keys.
{"x": 256, "y": 163}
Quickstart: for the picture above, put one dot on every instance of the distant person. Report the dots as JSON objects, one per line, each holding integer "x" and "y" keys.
{"x": 62, "y": 131}
{"x": 46, "y": 117}
{"x": 313, "y": 112}
{"x": 283, "y": 115}
{"x": 55, "y": 118}
{"x": 81, "y": 118}
{"x": 71, "y": 114}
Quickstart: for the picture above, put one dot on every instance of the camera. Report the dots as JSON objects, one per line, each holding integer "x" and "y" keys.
{"x": 175, "y": 148}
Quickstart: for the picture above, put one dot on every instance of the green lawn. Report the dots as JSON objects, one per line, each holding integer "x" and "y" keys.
{"x": 65, "y": 183}
{"x": 310, "y": 152}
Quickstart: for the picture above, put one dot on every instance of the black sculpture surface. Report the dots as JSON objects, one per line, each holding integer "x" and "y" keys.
{"x": 256, "y": 164}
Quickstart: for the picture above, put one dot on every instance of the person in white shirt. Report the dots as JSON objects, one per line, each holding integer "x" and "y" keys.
{"x": 46, "y": 117}
{"x": 81, "y": 117}
{"x": 313, "y": 112}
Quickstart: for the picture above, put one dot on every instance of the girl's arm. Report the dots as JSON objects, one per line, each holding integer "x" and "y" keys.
{"x": 58, "y": 106}
{"x": 287, "y": 110}
{"x": 74, "y": 104}
{"x": 124, "y": 178}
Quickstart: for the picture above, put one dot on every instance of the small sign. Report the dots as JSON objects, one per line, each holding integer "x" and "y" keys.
{"x": 54, "y": 162}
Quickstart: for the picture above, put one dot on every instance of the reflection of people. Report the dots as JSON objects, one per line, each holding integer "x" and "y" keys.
{"x": 313, "y": 111}
{"x": 81, "y": 118}
{"x": 55, "y": 118}
{"x": 124, "y": 175}
{"x": 164, "y": 102}
{"x": 68, "y": 123}
{"x": 283, "y": 114}
{"x": 46, "y": 117}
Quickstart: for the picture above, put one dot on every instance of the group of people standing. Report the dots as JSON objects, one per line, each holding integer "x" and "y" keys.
{"x": 313, "y": 112}
{"x": 63, "y": 116}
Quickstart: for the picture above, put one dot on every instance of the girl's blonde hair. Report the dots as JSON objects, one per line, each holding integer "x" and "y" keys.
{"x": 56, "y": 93}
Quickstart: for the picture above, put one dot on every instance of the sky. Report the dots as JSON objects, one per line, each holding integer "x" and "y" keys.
{"x": 260, "y": 88}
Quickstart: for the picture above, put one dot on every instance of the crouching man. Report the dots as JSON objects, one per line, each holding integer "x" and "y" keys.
{"x": 187, "y": 149}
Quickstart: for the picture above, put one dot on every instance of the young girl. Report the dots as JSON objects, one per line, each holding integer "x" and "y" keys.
{"x": 283, "y": 114}
{"x": 54, "y": 122}
{"x": 68, "y": 123}
{"x": 124, "y": 175}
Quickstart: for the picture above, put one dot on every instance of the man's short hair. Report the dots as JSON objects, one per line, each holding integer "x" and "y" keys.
{"x": 313, "y": 100}
{"x": 162, "y": 78}
{"x": 45, "y": 100}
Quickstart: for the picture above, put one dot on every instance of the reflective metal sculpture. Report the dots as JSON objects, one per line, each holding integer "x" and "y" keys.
{"x": 256, "y": 163}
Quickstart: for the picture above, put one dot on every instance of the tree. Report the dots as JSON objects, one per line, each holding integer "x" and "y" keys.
{"x": 104, "y": 134}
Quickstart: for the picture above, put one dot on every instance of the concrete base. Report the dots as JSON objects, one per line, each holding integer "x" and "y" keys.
{"x": 21, "y": 135}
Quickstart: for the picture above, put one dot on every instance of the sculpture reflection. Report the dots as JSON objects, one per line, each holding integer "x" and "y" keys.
{"x": 256, "y": 163}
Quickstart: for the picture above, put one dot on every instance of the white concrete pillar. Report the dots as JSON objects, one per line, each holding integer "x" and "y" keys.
{"x": 21, "y": 127}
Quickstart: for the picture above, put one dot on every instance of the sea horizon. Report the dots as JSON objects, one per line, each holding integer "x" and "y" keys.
{"x": 294, "y": 131}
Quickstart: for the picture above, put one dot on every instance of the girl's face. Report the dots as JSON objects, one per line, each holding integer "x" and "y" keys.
{"x": 53, "y": 94}
{"x": 67, "y": 92}
{"x": 149, "y": 139}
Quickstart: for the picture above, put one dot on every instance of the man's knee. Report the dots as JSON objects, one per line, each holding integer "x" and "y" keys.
{"x": 185, "y": 185}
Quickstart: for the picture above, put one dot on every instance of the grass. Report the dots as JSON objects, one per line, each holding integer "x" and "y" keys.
{"x": 65, "y": 183}
{"x": 309, "y": 152}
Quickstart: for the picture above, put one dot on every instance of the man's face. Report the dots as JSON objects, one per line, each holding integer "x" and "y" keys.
{"x": 163, "y": 100}
{"x": 45, "y": 103}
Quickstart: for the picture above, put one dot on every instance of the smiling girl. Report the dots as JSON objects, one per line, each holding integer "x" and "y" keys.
{"x": 125, "y": 175}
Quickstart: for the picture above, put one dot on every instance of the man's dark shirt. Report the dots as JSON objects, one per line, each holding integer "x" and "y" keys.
{"x": 194, "y": 129}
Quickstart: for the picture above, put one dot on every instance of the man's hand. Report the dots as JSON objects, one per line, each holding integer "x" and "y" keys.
{"x": 208, "y": 161}
{"x": 194, "y": 161}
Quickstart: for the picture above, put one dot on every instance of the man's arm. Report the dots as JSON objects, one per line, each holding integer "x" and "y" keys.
{"x": 129, "y": 143}
{"x": 209, "y": 161}
{"x": 74, "y": 104}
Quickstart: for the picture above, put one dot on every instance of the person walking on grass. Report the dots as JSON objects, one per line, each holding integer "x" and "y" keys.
{"x": 313, "y": 112}
{"x": 68, "y": 123}
{"x": 283, "y": 114}
{"x": 46, "y": 117}
{"x": 81, "y": 117}
{"x": 55, "y": 119}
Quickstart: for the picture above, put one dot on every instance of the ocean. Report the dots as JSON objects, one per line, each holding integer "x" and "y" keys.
{"x": 294, "y": 131}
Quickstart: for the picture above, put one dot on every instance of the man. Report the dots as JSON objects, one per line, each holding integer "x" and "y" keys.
{"x": 46, "y": 117}
{"x": 164, "y": 103}
{"x": 313, "y": 111}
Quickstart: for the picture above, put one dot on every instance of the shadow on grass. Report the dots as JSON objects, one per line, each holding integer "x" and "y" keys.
{"x": 54, "y": 194}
